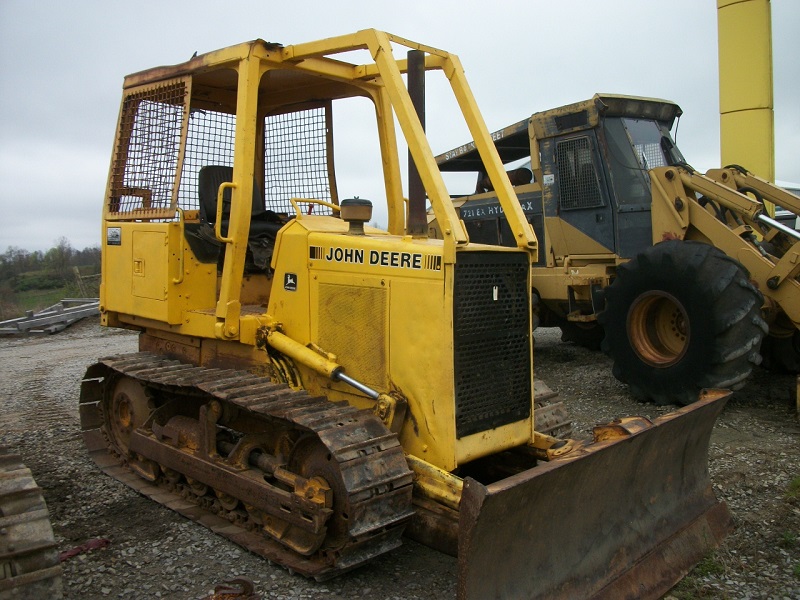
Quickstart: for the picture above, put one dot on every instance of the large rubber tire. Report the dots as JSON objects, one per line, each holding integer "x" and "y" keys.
{"x": 680, "y": 317}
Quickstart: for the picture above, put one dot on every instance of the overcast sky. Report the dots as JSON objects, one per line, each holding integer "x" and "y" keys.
{"x": 62, "y": 65}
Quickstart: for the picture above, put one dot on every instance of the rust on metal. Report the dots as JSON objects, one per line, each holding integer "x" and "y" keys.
{"x": 434, "y": 525}
{"x": 316, "y": 486}
{"x": 549, "y": 413}
{"x": 240, "y": 588}
{"x": 639, "y": 513}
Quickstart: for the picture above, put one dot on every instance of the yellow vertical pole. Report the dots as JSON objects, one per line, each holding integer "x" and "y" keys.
{"x": 391, "y": 166}
{"x": 228, "y": 305}
{"x": 745, "y": 85}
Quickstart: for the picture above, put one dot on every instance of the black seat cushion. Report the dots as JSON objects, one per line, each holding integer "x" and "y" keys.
{"x": 262, "y": 222}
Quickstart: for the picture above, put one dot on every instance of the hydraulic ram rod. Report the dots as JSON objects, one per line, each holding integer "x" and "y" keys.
{"x": 780, "y": 226}
{"x": 319, "y": 363}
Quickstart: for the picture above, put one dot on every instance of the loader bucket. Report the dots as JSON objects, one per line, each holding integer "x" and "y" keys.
{"x": 625, "y": 518}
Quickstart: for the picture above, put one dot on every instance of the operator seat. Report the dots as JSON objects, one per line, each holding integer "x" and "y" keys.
{"x": 264, "y": 224}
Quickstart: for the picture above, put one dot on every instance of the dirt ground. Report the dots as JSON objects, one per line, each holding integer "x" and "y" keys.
{"x": 155, "y": 553}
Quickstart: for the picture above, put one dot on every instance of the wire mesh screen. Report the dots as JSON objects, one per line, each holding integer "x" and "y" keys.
{"x": 296, "y": 160}
{"x": 146, "y": 159}
{"x": 650, "y": 155}
{"x": 577, "y": 179}
{"x": 209, "y": 141}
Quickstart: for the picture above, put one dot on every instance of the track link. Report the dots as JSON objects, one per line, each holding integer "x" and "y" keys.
{"x": 29, "y": 566}
{"x": 373, "y": 487}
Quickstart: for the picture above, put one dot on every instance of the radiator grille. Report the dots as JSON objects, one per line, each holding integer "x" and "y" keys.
{"x": 492, "y": 340}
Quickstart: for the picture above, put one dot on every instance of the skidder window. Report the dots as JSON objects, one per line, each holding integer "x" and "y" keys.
{"x": 577, "y": 178}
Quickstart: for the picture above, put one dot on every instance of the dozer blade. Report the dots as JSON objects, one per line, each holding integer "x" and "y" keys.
{"x": 622, "y": 518}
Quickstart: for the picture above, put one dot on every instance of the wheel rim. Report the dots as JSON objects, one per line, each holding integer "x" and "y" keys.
{"x": 658, "y": 329}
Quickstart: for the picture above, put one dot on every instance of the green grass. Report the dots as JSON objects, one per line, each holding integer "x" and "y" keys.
{"x": 793, "y": 491}
{"x": 691, "y": 588}
{"x": 38, "y": 299}
{"x": 708, "y": 566}
{"x": 17, "y": 303}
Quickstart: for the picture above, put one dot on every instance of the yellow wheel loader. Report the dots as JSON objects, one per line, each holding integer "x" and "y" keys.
{"x": 681, "y": 277}
{"x": 312, "y": 387}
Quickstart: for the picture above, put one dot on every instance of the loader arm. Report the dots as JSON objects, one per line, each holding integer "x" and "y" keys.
{"x": 691, "y": 206}
{"x": 740, "y": 179}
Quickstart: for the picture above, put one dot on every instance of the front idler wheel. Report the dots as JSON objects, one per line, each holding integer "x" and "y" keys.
{"x": 126, "y": 407}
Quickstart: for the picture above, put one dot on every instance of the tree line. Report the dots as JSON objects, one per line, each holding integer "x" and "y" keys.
{"x": 31, "y": 280}
{"x": 21, "y": 269}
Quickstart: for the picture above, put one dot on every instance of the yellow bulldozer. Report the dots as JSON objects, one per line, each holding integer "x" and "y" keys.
{"x": 313, "y": 388}
{"x": 683, "y": 278}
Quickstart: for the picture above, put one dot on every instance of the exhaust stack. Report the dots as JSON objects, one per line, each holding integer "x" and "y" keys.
{"x": 417, "y": 221}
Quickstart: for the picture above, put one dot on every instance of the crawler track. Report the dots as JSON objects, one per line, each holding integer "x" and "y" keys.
{"x": 29, "y": 565}
{"x": 372, "y": 497}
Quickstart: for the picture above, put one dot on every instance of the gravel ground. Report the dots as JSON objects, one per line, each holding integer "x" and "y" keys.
{"x": 155, "y": 553}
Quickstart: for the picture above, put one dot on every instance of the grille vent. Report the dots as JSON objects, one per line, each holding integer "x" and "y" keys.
{"x": 361, "y": 349}
{"x": 492, "y": 340}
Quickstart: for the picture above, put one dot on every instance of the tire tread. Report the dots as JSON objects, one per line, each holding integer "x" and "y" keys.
{"x": 693, "y": 272}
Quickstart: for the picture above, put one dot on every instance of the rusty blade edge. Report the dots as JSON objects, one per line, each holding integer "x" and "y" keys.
{"x": 637, "y": 507}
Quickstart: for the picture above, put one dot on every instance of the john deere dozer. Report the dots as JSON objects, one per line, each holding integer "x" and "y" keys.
{"x": 312, "y": 387}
